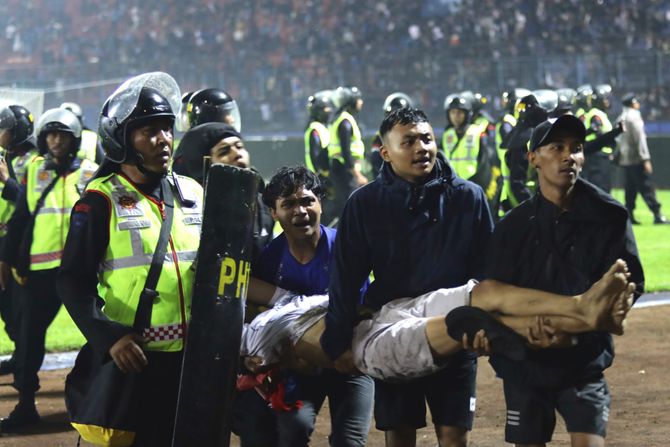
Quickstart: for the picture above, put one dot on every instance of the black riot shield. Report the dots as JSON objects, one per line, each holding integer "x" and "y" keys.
{"x": 221, "y": 281}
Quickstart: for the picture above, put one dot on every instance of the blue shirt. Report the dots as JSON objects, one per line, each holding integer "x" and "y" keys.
{"x": 278, "y": 266}
{"x": 414, "y": 238}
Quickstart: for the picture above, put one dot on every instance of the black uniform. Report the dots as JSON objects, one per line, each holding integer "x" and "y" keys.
{"x": 537, "y": 246}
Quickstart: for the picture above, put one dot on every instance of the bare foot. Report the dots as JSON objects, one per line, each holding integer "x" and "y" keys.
{"x": 622, "y": 305}
{"x": 597, "y": 302}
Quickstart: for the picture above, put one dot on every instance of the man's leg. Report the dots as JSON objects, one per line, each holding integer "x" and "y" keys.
{"x": 631, "y": 175}
{"x": 351, "y": 402}
{"x": 585, "y": 409}
{"x": 295, "y": 427}
{"x": 400, "y": 409}
{"x": 593, "y": 308}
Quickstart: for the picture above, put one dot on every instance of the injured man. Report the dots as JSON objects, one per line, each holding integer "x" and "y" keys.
{"x": 412, "y": 337}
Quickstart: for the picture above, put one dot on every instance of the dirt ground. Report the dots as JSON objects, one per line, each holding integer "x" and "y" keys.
{"x": 639, "y": 417}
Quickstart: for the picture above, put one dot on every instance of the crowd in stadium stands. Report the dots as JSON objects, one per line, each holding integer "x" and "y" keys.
{"x": 271, "y": 54}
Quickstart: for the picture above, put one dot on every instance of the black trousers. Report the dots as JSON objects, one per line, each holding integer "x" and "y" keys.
{"x": 636, "y": 180}
{"x": 10, "y": 309}
{"x": 39, "y": 305}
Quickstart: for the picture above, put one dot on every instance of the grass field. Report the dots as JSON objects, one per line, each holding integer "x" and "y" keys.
{"x": 653, "y": 243}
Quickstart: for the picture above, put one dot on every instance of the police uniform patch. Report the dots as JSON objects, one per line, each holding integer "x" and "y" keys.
{"x": 128, "y": 202}
{"x": 43, "y": 176}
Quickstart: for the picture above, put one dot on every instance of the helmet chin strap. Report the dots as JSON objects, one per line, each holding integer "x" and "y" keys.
{"x": 138, "y": 161}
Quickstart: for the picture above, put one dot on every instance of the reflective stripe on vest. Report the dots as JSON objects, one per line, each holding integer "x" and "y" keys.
{"x": 134, "y": 228}
{"x": 606, "y": 127}
{"x": 53, "y": 219}
{"x": 89, "y": 145}
{"x": 20, "y": 165}
{"x": 357, "y": 147}
{"x": 462, "y": 154}
{"x": 324, "y": 136}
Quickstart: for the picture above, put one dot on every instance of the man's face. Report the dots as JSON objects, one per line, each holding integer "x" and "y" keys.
{"x": 5, "y": 138}
{"x": 559, "y": 163}
{"x": 410, "y": 149}
{"x": 359, "y": 105}
{"x": 153, "y": 141}
{"x": 457, "y": 117}
{"x": 229, "y": 119}
{"x": 298, "y": 214}
{"x": 59, "y": 143}
{"x": 230, "y": 151}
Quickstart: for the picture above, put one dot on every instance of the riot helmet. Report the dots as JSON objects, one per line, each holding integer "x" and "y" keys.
{"x": 213, "y": 105}
{"x": 74, "y": 108}
{"x": 397, "y": 100}
{"x": 510, "y": 97}
{"x": 601, "y": 96}
{"x": 139, "y": 99}
{"x": 459, "y": 102}
{"x": 19, "y": 121}
{"x": 547, "y": 99}
{"x": 583, "y": 97}
{"x": 182, "y": 123}
{"x": 529, "y": 111}
{"x": 346, "y": 98}
{"x": 58, "y": 120}
{"x": 320, "y": 106}
{"x": 566, "y": 101}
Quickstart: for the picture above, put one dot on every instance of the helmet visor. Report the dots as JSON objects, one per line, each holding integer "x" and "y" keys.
{"x": 124, "y": 100}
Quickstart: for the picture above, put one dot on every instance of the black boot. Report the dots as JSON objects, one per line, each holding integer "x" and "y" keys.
{"x": 23, "y": 415}
{"x": 7, "y": 366}
{"x": 660, "y": 219}
{"x": 633, "y": 220}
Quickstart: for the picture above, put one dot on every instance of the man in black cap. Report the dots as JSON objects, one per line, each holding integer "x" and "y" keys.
{"x": 633, "y": 156}
{"x": 560, "y": 240}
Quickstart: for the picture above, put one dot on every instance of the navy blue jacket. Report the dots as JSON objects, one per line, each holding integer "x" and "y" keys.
{"x": 538, "y": 246}
{"x": 414, "y": 238}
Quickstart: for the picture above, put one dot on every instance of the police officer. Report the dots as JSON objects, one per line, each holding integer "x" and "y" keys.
{"x": 521, "y": 184}
{"x": 504, "y": 126}
{"x": 346, "y": 151}
{"x": 599, "y": 145}
{"x": 320, "y": 109}
{"x": 115, "y": 230}
{"x": 34, "y": 246}
{"x": 17, "y": 146}
{"x": 90, "y": 147}
{"x": 566, "y": 102}
{"x": 213, "y": 105}
{"x": 480, "y": 116}
{"x": 583, "y": 100}
{"x": 394, "y": 101}
{"x": 209, "y": 105}
{"x": 469, "y": 148}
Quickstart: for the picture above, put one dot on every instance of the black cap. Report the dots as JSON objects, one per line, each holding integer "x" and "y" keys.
{"x": 544, "y": 132}
{"x": 628, "y": 99}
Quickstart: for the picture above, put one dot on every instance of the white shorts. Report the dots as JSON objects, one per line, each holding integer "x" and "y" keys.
{"x": 392, "y": 346}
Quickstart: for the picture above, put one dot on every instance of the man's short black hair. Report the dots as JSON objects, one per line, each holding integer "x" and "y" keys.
{"x": 402, "y": 116}
{"x": 288, "y": 180}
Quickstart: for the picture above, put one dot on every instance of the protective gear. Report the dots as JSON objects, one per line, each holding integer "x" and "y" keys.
{"x": 601, "y": 96}
{"x": 357, "y": 147}
{"x": 529, "y": 110}
{"x": 74, "y": 108}
{"x": 147, "y": 96}
{"x": 345, "y": 98}
{"x": 47, "y": 246}
{"x": 397, "y": 100}
{"x": 58, "y": 120}
{"x": 320, "y": 106}
{"x": 213, "y": 105}
{"x": 509, "y": 98}
{"x": 548, "y": 99}
{"x": 583, "y": 99}
{"x": 317, "y": 162}
{"x": 19, "y": 121}
{"x": 459, "y": 101}
{"x": 129, "y": 255}
{"x": 182, "y": 124}
{"x": 566, "y": 101}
